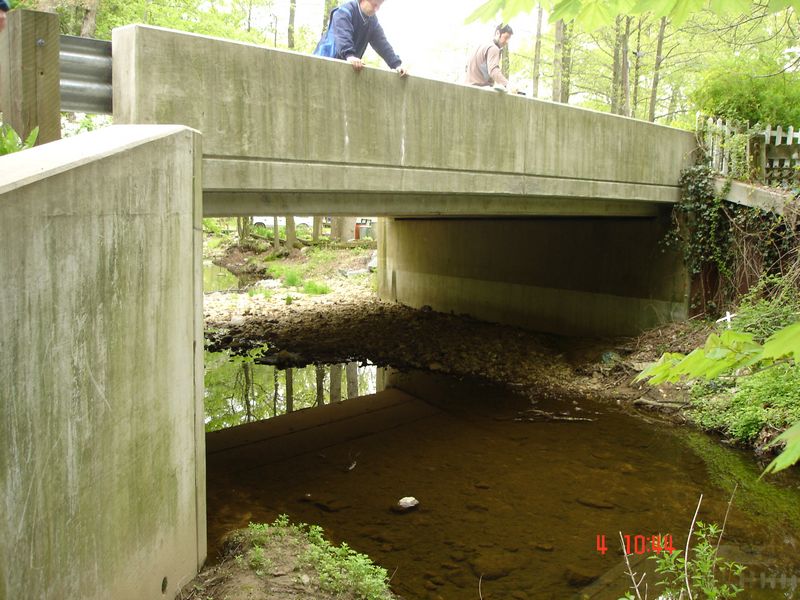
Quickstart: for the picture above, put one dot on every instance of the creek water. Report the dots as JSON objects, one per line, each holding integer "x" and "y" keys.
{"x": 516, "y": 504}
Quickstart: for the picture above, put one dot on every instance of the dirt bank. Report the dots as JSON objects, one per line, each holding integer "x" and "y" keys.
{"x": 351, "y": 324}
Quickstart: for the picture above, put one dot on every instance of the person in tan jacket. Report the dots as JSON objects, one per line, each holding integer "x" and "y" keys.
{"x": 483, "y": 67}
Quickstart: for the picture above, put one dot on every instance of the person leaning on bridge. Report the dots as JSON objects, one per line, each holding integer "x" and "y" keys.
{"x": 483, "y": 67}
{"x": 351, "y": 27}
{"x": 4, "y": 8}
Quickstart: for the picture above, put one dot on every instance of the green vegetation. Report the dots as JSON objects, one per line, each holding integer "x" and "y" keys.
{"x": 314, "y": 288}
{"x": 750, "y": 90}
{"x": 764, "y": 401}
{"x": 590, "y": 14}
{"x": 342, "y": 571}
{"x": 705, "y": 569}
{"x": 756, "y": 369}
{"x": 11, "y": 142}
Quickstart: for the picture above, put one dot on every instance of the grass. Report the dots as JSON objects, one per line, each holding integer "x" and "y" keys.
{"x": 341, "y": 570}
{"x": 259, "y": 291}
{"x": 315, "y": 289}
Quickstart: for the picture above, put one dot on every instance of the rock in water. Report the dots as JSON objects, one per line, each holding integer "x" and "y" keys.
{"x": 406, "y": 504}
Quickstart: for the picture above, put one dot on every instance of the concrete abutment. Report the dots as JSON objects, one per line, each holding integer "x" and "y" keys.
{"x": 102, "y": 448}
{"x": 574, "y": 276}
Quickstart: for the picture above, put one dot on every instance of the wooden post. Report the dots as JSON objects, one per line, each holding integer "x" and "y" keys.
{"x": 29, "y": 74}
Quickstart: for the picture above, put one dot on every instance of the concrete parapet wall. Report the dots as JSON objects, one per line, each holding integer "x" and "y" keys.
{"x": 587, "y": 276}
{"x": 276, "y": 121}
{"x": 102, "y": 477}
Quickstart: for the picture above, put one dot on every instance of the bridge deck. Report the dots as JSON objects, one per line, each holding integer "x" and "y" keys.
{"x": 286, "y": 132}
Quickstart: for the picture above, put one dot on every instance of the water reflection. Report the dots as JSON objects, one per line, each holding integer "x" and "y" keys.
{"x": 513, "y": 505}
{"x": 238, "y": 390}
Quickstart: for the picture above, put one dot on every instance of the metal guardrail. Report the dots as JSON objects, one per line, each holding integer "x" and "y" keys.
{"x": 85, "y": 81}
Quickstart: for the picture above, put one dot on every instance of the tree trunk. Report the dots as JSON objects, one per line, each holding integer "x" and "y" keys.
{"x": 317, "y": 227}
{"x": 276, "y": 234}
{"x": 289, "y": 391}
{"x": 673, "y": 106}
{"x": 290, "y": 30}
{"x": 247, "y": 396}
{"x": 615, "y": 72}
{"x": 275, "y": 387}
{"x": 656, "y": 70}
{"x": 336, "y": 383}
{"x": 351, "y": 372}
{"x": 557, "y": 55}
{"x": 537, "y": 54}
{"x": 328, "y": 7}
{"x": 505, "y": 62}
{"x": 291, "y": 234}
{"x": 625, "y": 87}
{"x": 320, "y": 371}
{"x": 89, "y": 25}
{"x": 243, "y": 228}
{"x": 636, "y": 68}
{"x": 566, "y": 62}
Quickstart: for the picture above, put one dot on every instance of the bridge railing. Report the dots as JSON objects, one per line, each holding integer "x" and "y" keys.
{"x": 85, "y": 75}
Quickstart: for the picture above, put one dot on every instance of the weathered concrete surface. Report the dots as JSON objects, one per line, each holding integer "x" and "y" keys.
{"x": 285, "y": 132}
{"x": 570, "y": 276}
{"x": 102, "y": 476}
{"x": 767, "y": 199}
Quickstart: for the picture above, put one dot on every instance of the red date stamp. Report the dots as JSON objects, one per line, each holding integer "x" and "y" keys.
{"x": 640, "y": 544}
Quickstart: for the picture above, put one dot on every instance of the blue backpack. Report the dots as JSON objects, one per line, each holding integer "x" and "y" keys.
{"x": 327, "y": 44}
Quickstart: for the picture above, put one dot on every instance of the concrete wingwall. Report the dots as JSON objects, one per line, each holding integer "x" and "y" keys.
{"x": 574, "y": 276}
{"x": 102, "y": 472}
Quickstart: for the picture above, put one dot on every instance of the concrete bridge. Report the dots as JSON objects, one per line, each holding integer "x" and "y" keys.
{"x": 285, "y": 133}
{"x": 506, "y": 208}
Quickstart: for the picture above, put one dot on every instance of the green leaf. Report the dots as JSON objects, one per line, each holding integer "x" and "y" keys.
{"x": 683, "y": 9}
{"x": 730, "y": 7}
{"x": 566, "y": 10}
{"x": 594, "y": 14}
{"x": 778, "y": 5}
{"x": 659, "y": 8}
{"x": 784, "y": 342}
{"x": 31, "y": 139}
{"x": 486, "y": 11}
{"x": 790, "y": 454}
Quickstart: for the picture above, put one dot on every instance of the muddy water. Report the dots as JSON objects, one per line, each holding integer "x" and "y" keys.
{"x": 514, "y": 503}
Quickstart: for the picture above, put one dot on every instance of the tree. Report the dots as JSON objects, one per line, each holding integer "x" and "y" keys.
{"x": 558, "y": 54}
{"x": 290, "y": 29}
{"x": 657, "y": 70}
{"x": 591, "y": 14}
{"x": 327, "y": 7}
{"x": 537, "y": 54}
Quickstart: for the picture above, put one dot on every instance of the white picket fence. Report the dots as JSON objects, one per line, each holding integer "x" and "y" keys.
{"x": 772, "y": 156}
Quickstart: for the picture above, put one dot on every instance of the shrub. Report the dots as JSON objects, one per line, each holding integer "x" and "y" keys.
{"x": 750, "y": 91}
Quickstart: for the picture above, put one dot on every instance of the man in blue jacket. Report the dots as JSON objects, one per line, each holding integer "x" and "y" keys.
{"x": 351, "y": 27}
{"x": 4, "y": 8}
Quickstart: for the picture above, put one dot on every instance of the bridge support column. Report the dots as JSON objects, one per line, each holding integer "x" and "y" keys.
{"x": 573, "y": 276}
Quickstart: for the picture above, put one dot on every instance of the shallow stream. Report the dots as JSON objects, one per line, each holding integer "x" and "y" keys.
{"x": 514, "y": 503}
